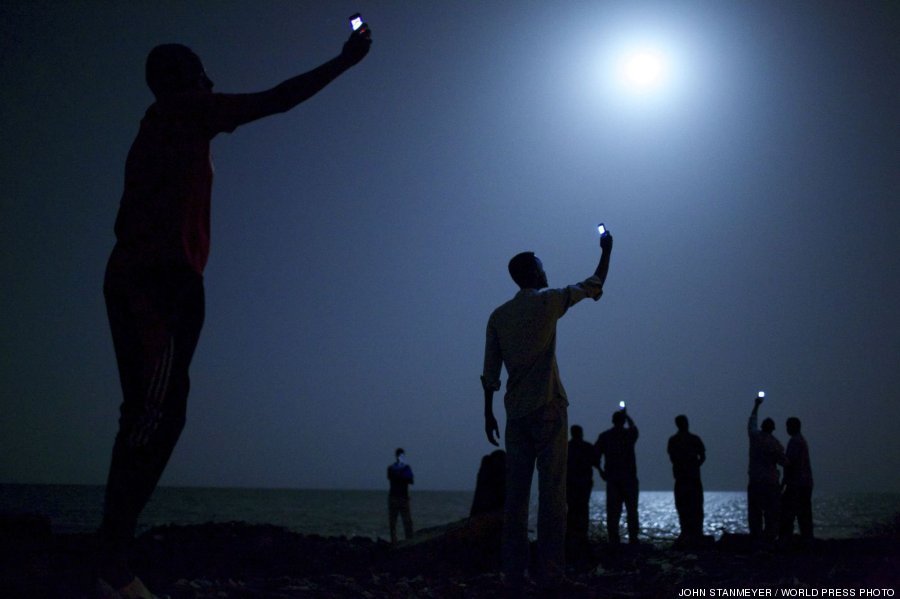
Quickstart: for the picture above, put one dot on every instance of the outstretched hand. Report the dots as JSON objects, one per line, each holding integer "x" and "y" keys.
{"x": 606, "y": 242}
{"x": 357, "y": 45}
{"x": 491, "y": 429}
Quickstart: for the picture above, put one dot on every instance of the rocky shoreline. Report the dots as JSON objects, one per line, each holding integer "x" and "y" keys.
{"x": 238, "y": 560}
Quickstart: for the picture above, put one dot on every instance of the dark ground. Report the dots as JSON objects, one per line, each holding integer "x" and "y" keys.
{"x": 239, "y": 560}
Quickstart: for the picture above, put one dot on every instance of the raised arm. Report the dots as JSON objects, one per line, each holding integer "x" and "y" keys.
{"x": 631, "y": 425}
{"x": 246, "y": 108}
{"x": 752, "y": 425}
{"x": 606, "y": 243}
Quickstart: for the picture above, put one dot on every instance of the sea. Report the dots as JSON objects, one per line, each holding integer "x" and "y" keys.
{"x": 351, "y": 513}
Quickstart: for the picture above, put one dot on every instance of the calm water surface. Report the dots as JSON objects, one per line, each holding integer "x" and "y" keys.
{"x": 76, "y": 508}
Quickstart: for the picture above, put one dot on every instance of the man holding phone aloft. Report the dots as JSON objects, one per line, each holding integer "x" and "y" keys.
{"x": 615, "y": 450}
{"x": 521, "y": 335}
{"x": 766, "y": 454}
{"x": 154, "y": 278}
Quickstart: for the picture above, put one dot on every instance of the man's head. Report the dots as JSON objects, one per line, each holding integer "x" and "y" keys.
{"x": 768, "y": 425}
{"x": 174, "y": 68}
{"x": 618, "y": 418}
{"x": 681, "y": 421}
{"x": 577, "y": 432}
{"x": 527, "y": 271}
{"x": 792, "y": 425}
{"x": 399, "y": 452}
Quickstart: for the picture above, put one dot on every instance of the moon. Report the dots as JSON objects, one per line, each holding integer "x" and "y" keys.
{"x": 643, "y": 70}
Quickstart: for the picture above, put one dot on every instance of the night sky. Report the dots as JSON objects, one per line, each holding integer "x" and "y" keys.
{"x": 360, "y": 241}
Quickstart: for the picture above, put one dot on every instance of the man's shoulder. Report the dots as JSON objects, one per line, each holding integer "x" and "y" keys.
{"x": 508, "y": 309}
{"x": 502, "y": 307}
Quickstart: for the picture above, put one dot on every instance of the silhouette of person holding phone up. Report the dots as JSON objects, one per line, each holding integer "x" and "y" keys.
{"x": 619, "y": 471}
{"x": 521, "y": 335}
{"x": 766, "y": 453}
{"x": 154, "y": 278}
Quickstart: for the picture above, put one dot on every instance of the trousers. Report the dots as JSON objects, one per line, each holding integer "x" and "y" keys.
{"x": 155, "y": 316}
{"x": 399, "y": 506}
{"x": 763, "y": 507}
{"x": 689, "y": 504}
{"x": 537, "y": 439}
{"x": 620, "y": 492}
{"x": 796, "y": 504}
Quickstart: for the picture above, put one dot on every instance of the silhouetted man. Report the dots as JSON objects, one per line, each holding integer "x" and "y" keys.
{"x": 579, "y": 482}
{"x": 687, "y": 453}
{"x": 620, "y": 473}
{"x": 521, "y": 334}
{"x": 154, "y": 278}
{"x": 490, "y": 485}
{"x": 763, "y": 489}
{"x": 796, "y": 501}
{"x": 400, "y": 476}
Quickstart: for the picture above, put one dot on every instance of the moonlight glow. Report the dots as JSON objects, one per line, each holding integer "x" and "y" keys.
{"x": 643, "y": 70}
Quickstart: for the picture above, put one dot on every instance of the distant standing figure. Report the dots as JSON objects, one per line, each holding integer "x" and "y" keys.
{"x": 521, "y": 335}
{"x": 153, "y": 284}
{"x": 579, "y": 482}
{"x": 766, "y": 453}
{"x": 400, "y": 476}
{"x": 687, "y": 453}
{"x": 796, "y": 500}
{"x": 619, "y": 471}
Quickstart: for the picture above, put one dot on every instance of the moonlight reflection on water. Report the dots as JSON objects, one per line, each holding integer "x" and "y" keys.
{"x": 723, "y": 512}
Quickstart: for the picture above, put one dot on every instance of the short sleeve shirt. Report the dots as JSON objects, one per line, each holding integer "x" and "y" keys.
{"x": 686, "y": 451}
{"x": 521, "y": 335}
{"x": 164, "y": 213}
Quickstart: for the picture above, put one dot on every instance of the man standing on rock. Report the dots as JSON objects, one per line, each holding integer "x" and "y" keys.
{"x": 796, "y": 500}
{"x": 766, "y": 453}
{"x": 579, "y": 483}
{"x": 687, "y": 453}
{"x": 521, "y": 335}
{"x": 154, "y": 278}
{"x": 400, "y": 476}
{"x": 615, "y": 451}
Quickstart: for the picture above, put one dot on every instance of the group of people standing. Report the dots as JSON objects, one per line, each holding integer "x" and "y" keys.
{"x": 521, "y": 336}
{"x": 773, "y": 503}
{"x": 155, "y": 302}
{"x": 614, "y": 458}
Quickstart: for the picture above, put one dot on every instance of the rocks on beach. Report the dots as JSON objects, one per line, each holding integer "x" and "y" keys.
{"x": 234, "y": 559}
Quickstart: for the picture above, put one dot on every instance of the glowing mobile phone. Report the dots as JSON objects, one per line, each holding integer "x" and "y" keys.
{"x": 761, "y": 394}
{"x": 621, "y": 403}
{"x": 356, "y": 21}
{"x": 601, "y": 228}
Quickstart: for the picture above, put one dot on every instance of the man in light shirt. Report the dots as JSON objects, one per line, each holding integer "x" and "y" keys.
{"x": 521, "y": 335}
